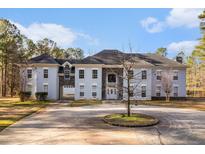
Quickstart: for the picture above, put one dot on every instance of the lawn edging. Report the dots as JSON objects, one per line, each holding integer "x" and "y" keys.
{"x": 122, "y": 123}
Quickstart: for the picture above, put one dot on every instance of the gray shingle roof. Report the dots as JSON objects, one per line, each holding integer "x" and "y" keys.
{"x": 47, "y": 59}
{"x": 44, "y": 59}
{"x": 113, "y": 57}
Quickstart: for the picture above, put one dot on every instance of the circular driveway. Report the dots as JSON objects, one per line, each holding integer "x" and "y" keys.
{"x": 60, "y": 124}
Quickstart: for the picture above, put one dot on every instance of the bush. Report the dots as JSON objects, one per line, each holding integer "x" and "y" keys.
{"x": 41, "y": 96}
{"x": 24, "y": 95}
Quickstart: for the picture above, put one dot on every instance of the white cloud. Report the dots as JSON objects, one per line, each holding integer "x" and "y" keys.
{"x": 64, "y": 36}
{"x": 187, "y": 18}
{"x": 152, "y": 25}
{"x": 186, "y": 46}
{"x": 184, "y": 17}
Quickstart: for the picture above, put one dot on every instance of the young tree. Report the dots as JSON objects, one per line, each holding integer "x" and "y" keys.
{"x": 166, "y": 80}
{"x": 131, "y": 77}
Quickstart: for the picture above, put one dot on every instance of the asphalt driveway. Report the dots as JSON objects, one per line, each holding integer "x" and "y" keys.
{"x": 60, "y": 124}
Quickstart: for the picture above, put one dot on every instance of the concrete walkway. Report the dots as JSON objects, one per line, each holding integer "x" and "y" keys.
{"x": 60, "y": 124}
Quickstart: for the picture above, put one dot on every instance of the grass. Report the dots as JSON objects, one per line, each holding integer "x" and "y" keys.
{"x": 198, "y": 105}
{"x": 134, "y": 120}
{"x": 12, "y": 110}
{"x": 84, "y": 102}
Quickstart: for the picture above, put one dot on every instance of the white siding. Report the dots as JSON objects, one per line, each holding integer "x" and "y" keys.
{"x": 38, "y": 81}
{"x": 137, "y": 83}
{"x": 88, "y": 81}
{"x": 181, "y": 83}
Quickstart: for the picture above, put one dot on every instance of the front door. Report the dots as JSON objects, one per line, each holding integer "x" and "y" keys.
{"x": 111, "y": 93}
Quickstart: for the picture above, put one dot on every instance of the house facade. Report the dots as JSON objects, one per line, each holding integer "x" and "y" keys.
{"x": 101, "y": 76}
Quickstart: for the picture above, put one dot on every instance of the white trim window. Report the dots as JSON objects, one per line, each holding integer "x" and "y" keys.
{"x": 45, "y": 88}
{"x": 130, "y": 74}
{"x": 66, "y": 72}
{"x": 81, "y": 74}
{"x": 94, "y": 90}
{"x": 158, "y": 91}
{"x": 175, "y": 75}
{"x": 143, "y": 91}
{"x": 144, "y": 74}
{"x": 82, "y": 93}
{"x": 176, "y": 91}
{"x": 94, "y": 73}
{"x": 45, "y": 73}
{"x": 29, "y": 88}
{"x": 29, "y": 73}
{"x": 158, "y": 74}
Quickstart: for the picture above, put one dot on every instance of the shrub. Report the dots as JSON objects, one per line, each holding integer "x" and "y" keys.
{"x": 24, "y": 95}
{"x": 41, "y": 96}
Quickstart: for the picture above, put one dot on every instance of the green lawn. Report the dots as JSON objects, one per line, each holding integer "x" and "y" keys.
{"x": 12, "y": 110}
{"x": 196, "y": 104}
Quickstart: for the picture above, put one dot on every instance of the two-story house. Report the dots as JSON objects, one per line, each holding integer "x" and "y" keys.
{"x": 101, "y": 76}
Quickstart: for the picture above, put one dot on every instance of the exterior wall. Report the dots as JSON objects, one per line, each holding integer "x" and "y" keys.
{"x": 37, "y": 81}
{"x": 88, "y": 81}
{"x": 137, "y": 83}
{"x": 181, "y": 83}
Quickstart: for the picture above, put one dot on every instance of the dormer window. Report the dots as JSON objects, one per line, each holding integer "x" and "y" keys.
{"x": 66, "y": 72}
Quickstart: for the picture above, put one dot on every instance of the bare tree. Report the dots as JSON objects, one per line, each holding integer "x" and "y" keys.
{"x": 132, "y": 78}
{"x": 167, "y": 83}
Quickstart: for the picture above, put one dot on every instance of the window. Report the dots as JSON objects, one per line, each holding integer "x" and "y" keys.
{"x": 144, "y": 74}
{"x": 175, "y": 77}
{"x": 159, "y": 75}
{"x": 95, "y": 74}
{"x": 45, "y": 88}
{"x": 111, "y": 78}
{"x": 29, "y": 74}
{"x": 94, "y": 94}
{"x": 66, "y": 72}
{"x": 81, "y": 87}
{"x": 143, "y": 92}
{"x": 29, "y": 88}
{"x": 72, "y": 69}
{"x": 45, "y": 73}
{"x": 81, "y": 74}
{"x": 175, "y": 91}
{"x": 94, "y": 87}
{"x": 130, "y": 74}
{"x": 94, "y": 91}
{"x": 158, "y": 91}
{"x": 81, "y": 90}
{"x": 81, "y": 94}
{"x": 131, "y": 91}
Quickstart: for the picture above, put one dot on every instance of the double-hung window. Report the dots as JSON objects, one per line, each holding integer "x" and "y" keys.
{"x": 94, "y": 74}
{"x": 144, "y": 75}
{"x": 45, "y": 73}
{"x": 29, "y": 73}
{"x": 94, "y": 91}
{"x": 159, "y": 75}
{"x": 81, "y": 91}
{"x": 158, "y": 91}
{"x": 143, "y": 91}
{"x": 45, "y": 88}
{"x": 175, "y": 91}
{"x": 130, "y": 74}
{"x": 175, "y": 76}
{"x": 81, "y": 74}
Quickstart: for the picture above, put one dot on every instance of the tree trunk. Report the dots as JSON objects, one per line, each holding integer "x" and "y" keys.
{"x": 128, "y": 98}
